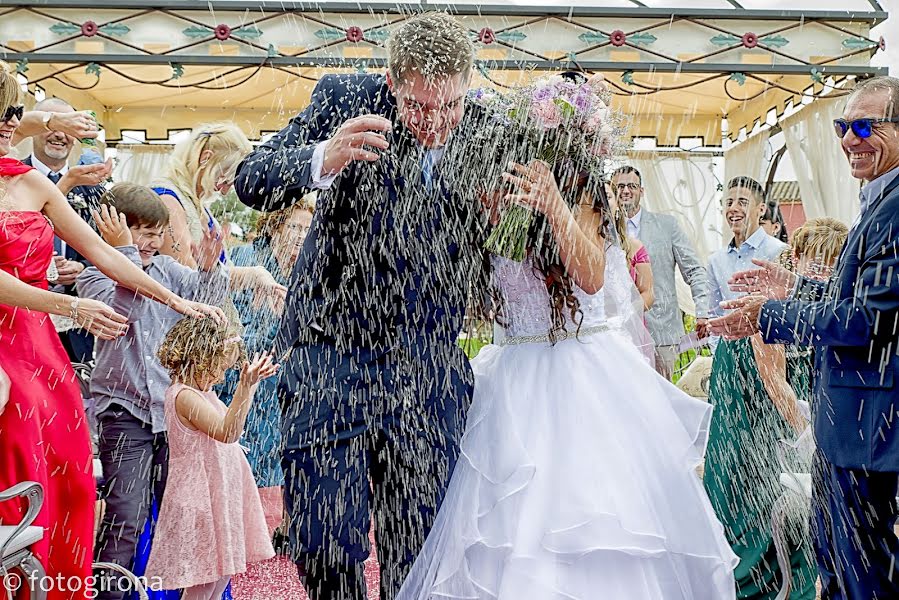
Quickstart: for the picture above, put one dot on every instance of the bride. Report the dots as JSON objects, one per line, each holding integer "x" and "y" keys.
{"x": 577, "y": 476}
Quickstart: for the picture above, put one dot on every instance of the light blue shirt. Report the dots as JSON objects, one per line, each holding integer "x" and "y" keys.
{"x": 872, "y": 190}
{"x": 727, "y": 261}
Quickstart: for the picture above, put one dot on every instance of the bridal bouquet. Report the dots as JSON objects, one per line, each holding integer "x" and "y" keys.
{"x": 555, "y": 120}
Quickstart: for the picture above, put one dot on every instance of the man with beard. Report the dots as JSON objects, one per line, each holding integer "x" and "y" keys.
{"x": 81, "y": 184}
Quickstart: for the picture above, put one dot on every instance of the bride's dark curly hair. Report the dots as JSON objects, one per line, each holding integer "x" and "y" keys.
{"x": 581, "y": 191}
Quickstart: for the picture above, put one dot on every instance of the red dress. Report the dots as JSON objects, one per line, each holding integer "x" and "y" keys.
{"x": 43, "y": 431}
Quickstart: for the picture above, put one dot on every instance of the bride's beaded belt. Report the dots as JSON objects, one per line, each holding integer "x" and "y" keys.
{"x": 536, "y": 339}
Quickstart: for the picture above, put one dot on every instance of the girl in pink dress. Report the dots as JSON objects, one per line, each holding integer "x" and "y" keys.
{"x": 211, "y": 523}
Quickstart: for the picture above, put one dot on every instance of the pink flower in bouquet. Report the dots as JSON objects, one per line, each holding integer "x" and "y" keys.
{"x": 547, "y": 114}
{"x": 597, "y": 118}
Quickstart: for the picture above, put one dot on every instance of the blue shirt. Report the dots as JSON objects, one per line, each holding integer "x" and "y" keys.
{"x": 872, "y": 190}
{"x": 727, "y": 261}
{"x": 128, "y": 373}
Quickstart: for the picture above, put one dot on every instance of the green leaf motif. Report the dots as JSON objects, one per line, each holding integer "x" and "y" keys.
{"x": 115, "y": 29}
{"x": 723, "y": 39}
{"x": 64, "y": 28}
{"x": 377, "y": 35}
{"x": 251, "y": 32}
{"x": 593, "y": 37}
{"x": 330, "y": 33}
{"x": 272, "y": 51}
{"x": 775, "y": 41}
{"x": 628, "y": 77}
{"x": 643, "y": 39}
{"x": 740, "y": 78}
{"x": 817, "y": 76}
{"x": 177, "y": 70}
{"x": 195, "y": 31}
{"x": 482, "y": 69}
{"x": 22, "y": 66}
{"x": 858, "y": 43}
{"x": 362, "y": 67}
{"x": 511, "y": 37}
{"x": 93, "y": 69}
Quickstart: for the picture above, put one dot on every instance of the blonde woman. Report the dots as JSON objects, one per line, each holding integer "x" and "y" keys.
{"x": 201, "y": 168}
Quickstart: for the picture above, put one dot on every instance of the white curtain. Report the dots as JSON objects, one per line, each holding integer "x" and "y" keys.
{"x": 825, "y": 183}
{"x": 142, "y": 164}
{"x": 683, "y": 184}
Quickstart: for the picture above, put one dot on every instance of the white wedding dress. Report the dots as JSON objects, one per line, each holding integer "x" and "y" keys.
{"x": 577, "y": 473}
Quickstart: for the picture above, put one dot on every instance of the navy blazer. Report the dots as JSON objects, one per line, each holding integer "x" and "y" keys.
{"x": 384, "y": 255}
{"x": 83, "y": 199}
{"x": 853, "y": 322}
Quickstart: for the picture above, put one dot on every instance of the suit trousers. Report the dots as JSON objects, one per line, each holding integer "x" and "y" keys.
{"x": 853, "y": 515}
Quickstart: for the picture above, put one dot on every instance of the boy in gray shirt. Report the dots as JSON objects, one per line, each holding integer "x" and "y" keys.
{"x": 128, "y": 383}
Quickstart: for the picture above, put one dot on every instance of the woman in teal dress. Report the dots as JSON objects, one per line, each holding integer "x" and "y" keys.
{"x": 756, "y": 389}
{"x": 276, "y": 247}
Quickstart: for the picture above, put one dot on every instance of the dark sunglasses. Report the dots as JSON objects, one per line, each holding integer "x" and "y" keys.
{"x": 13, "y": 111}
{"x": 860, "y": 127}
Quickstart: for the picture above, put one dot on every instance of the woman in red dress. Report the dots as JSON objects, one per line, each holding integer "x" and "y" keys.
{"x": 43, "y": 431}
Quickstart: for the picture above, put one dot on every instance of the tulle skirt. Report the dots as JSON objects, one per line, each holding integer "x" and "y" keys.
{"x": 577, "y": 480}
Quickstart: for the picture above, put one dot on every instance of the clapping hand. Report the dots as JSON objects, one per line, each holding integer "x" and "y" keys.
{"x": 771, "y": 281}
{"x": 209, "y": 250}
{"x": 261, "y": 367}
{"x": 67, "y": 270}
{"x": 113, "y": 226}
{"x": 85, "y": 175}
{"x": 742, "y": 322}
{"x": 80, "y": 125}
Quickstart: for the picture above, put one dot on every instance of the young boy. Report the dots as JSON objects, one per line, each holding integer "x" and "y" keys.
{"x": 128, "y": 383}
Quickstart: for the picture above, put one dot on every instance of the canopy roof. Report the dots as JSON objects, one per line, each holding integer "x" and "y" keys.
{"x": 162, "y": 65}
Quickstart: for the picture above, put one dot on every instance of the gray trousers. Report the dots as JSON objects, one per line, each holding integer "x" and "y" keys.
{"x": 135, "y": 467}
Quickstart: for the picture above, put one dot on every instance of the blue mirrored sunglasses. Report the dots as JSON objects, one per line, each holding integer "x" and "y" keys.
{"x": 860, "y": 127}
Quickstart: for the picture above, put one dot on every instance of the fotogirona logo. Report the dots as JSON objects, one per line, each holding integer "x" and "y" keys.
{"x": 14, "y": 581}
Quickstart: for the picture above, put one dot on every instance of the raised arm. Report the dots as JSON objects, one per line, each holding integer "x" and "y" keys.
{"x": 78, "y": 234}
{"x": 195, "y": 412}
{"x": 280, "y": 172}
{"x": 581, "y": 246}
{"x": 772, "y": 363}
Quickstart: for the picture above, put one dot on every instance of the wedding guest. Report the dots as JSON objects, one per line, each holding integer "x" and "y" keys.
{"x": 669, "y": 248}
{"x": 276, "y": 247}
{"x": 772, "y": 221}
{"x": 200, "y": 170}
{"x": 128, "y": 383}
{"x": 43, "y": 429}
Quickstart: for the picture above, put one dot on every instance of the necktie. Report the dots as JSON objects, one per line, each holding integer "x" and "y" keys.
{"x": 58, "y": 245}
{"x": 427, "y": 170}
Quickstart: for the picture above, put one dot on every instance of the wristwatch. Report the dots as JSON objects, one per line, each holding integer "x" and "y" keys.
{"x": 46, "y": 121}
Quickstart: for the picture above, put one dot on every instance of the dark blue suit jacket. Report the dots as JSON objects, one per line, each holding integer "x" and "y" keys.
{"x": 853, "y": 323}
{"x": 384, "y": 255}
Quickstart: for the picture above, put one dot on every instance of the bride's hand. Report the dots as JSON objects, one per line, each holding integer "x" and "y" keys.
{"x": 536, "y": 187}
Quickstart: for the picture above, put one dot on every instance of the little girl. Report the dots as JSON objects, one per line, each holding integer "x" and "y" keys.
{"x": 211, "y": 524}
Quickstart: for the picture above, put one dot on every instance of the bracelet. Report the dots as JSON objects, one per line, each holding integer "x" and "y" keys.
{"x": 73, "y": 314}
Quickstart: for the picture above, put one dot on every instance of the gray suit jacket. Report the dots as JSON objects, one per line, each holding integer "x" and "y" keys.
{"x": 668, "y": 245}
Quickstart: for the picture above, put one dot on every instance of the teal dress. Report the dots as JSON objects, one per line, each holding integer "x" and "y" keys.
{"x": 742, "y": 470}
{"x": 262, "y": 433}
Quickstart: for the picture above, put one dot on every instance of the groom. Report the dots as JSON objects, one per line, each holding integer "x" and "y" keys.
{"x": 374, "y": 386}
{"x": 852, "y": 322}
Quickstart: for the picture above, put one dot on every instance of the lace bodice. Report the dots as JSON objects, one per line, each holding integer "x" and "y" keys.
{"x": 526, "y": 308}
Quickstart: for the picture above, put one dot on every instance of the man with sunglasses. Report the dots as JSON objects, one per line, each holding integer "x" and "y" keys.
{"x": 853, "y": 321}
{"x": 669, "y": 248}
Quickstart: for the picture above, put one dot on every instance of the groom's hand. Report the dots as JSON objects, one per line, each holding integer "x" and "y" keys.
{"x": 355, "y": 140}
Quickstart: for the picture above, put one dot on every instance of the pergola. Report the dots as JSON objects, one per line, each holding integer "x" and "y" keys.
{"x": 164, "y": 65}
